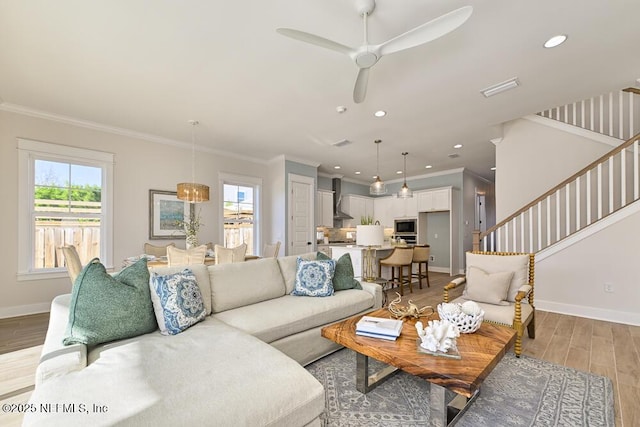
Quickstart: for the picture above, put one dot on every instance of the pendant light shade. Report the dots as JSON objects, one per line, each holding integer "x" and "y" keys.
{"x": 405, "y": 192}
{"x": 193, "y": 192}
{"x": 378, "y": 187}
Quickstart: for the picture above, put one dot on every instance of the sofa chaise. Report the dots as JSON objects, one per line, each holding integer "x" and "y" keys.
{"x": 241, "y": 366}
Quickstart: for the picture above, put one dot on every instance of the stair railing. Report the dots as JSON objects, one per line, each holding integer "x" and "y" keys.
{"x": 601, "y": 188}
{"x": 616, "y": 114}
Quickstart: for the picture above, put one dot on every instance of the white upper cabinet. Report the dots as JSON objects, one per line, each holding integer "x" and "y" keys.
{"x": 434, "y": 200}
{"x": 358, "y": 207}
{"x": 324, "y": 208}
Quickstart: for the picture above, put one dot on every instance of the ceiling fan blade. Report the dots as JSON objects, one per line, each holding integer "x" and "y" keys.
{"x": 313, "y": 39}
{"x": 360, "y": 89}
{"x": 427, "y": 32}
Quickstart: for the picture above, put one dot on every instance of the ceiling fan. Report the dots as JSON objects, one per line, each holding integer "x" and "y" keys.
{"x": 366, "y": 55}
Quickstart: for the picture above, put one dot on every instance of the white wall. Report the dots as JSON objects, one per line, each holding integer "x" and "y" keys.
{"x": 532, "y": 158}
{"x": 572, "y": 280}
{"x": 139, "y": 166}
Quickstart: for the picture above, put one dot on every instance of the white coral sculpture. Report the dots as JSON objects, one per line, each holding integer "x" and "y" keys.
{"x": 440, "y": 335}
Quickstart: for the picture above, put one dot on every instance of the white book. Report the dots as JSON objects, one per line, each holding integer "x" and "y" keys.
{"x": 379, "y": 326}
{"x": 374, "y": 335}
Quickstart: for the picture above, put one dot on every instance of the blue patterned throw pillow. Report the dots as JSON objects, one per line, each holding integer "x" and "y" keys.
{"x": 313, "y": 278}
{"x": 177, "y": 301}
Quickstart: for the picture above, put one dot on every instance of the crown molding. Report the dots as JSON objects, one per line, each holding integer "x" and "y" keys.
{"x": 87, "y": 124}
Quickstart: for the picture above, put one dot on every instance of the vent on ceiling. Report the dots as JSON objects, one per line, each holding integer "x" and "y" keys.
{"x": 453, "y": 156}
{"x": 500, "y": 87}
{"x": 341, "y": 143}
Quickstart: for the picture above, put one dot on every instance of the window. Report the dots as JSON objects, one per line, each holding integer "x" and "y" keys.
{"x": 64, "y": 199}
{"x": 240, "y": 211}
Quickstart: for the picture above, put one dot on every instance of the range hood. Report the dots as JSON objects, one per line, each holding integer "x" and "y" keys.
{"x": 336, "y": 186}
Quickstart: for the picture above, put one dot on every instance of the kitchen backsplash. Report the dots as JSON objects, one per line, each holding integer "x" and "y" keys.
{"x": 345, "y": 234}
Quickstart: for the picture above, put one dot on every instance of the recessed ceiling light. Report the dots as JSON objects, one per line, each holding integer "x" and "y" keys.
{"x": 399, "y": 172}
{"x": 493, "y": 168}
{"x": 555, "y": 41}
{"x": 457, "y": 146}
{"x": 357, "y": 172}
{"x": 380, "y": 113}
{"x": 336, "y": 167}
{"x": 428, "y": 167}
{"x": 500, "y": 87}
{"x": 341, "y": 109}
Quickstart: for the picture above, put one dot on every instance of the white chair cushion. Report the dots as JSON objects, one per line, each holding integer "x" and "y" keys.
{"x": 488, "y": 287}
{"x": 519, "y": 264}
{"x": 191, "y": 256}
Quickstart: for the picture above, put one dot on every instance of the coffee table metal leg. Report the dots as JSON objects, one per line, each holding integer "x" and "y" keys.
{"x": 365, "y": 382}
{"x": 442, "y": 414}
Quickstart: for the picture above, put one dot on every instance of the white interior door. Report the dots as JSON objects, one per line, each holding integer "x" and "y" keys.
{"x": 301, "y": 206}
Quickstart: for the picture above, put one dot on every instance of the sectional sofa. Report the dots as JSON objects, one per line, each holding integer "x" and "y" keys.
{"x": 241, "y": 366}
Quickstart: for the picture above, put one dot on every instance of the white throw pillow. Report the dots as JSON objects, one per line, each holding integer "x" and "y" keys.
{"x": 486, "y": 287}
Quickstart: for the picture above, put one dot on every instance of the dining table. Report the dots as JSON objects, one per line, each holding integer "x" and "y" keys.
{"x": 153, "y": 261}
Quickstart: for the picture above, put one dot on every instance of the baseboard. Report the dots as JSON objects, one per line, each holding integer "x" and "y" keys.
{"x": 439, "y": 269}
{"x": 625, "y": 317}
{"x": 24, "y": 310}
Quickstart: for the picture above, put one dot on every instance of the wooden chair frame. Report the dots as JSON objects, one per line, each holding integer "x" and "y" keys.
{"x": 518, "y": 323}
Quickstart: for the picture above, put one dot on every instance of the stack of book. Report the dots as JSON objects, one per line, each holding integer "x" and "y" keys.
{"x": 378, "y": 327}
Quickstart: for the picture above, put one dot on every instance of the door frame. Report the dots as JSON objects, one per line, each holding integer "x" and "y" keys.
{"x": 291, "y": 178}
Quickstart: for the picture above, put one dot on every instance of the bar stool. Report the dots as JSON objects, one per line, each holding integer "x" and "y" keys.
{"x": 421, "y": 257}
{"x": 400, "y": 258}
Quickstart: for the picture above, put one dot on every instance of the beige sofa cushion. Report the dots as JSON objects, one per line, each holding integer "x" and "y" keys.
{"x": 277, "y": 318}
{"x": 244, "y": 283}
{"x": 519, "y": 264}
{"x": 209, "y": 375}
{"x": 202, "y": 277}
{"x": 289, "y": 267}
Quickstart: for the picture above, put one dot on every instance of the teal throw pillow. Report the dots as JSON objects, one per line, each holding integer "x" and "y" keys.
{"x": 313, "y": 278}
{"x": 343, "y": 277}
{"x": 177, "y": 301}
{"x": 105, "y": 308}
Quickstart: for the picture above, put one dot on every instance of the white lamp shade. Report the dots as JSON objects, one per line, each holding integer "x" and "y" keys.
{"x": 369, "y": 235}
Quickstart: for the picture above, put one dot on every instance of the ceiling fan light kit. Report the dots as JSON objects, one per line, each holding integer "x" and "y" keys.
{"x": 367, "y": 55}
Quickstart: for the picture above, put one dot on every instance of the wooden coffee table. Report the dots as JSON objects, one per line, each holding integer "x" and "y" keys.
{"x": 480, "y": 352}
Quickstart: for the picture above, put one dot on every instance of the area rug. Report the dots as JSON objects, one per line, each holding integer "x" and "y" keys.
{"x": 519, "y": 392}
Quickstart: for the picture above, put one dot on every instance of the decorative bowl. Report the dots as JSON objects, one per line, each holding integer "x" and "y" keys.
{"x": 465, "y": 322}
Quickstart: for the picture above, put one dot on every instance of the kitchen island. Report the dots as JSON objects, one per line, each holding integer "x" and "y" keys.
{"x": 357, "y": 256}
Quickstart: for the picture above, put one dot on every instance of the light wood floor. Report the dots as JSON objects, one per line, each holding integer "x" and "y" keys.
{"x": 604, "y": 348}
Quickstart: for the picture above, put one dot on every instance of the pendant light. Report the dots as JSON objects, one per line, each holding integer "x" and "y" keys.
{"x": 405, "y": 192}
{"x": 193, "y": 192}
{"x": 377, "y": 187}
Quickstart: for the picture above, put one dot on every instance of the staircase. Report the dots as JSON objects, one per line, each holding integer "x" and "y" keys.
{"x": 599, "y": 190}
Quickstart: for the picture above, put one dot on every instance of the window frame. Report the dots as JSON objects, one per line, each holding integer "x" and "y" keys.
{"x": 28, "y": 152}
{"x": 246, "y": 181}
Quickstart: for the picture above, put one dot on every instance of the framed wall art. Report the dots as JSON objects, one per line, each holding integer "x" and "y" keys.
{"x": 165, "y": 212}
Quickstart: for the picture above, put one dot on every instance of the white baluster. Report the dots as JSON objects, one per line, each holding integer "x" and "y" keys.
{"x": 599, "y": 190}
{"x": 588, "y": 191}
{"x": 610, "y": 113}
{"x": 531, "y": 229}
{"x": 574, "y": 114}
{"x": 621, "y": 115}
{"x": 577, "y": 203}
{"x": 635, "y": 170}
{"x": 631, "y": 116}
{"x": 610, "y": 184}
{"x": 566, "y": 113}
{"x": 567, "y": 206}
{"x": 522, "y": 232}
{"x": 540, "y": 225}
{"x": 558, "y": 217}
{"x": 623, "y": 178}
{"x": 549, "y": 220}
{"x": 515, "y": 234}
{"x": 582, "y": 115}
{"x": 601, "y": 114}
{"x": 591, "y": 115}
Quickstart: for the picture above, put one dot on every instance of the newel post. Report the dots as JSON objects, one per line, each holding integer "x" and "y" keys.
{"x": 476, "y": 240}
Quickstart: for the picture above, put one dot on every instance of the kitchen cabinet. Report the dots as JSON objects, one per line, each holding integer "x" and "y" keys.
{"x": 389, "y": 208}
{"x": 434, "y": 200}
{"x": 324, "y": 208}
{"x": 383, "y": 208}
{"x": 357, "y": 207}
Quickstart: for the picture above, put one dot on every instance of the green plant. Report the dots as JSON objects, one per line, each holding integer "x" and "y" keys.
{"x": 191, "y": 227}
{"x": 366, "y": 220}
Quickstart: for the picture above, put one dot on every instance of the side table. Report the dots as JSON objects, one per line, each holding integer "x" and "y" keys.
{"x": 384, "y": 284}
